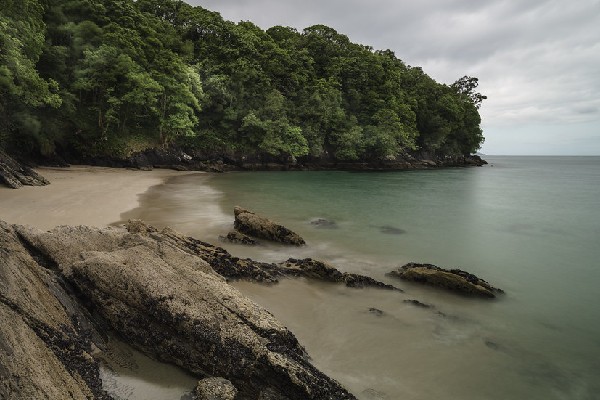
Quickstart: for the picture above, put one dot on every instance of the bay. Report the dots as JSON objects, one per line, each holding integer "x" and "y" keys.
{"x": 530, "y": 225}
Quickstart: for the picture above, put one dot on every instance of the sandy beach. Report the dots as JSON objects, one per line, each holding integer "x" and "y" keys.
{"x": 79, "y": 195}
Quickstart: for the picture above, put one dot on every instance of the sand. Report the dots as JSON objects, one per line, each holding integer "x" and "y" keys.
{"x": 79, "y": 195}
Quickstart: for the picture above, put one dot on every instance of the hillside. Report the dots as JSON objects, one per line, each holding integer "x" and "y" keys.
{"x": 98, "y": 78}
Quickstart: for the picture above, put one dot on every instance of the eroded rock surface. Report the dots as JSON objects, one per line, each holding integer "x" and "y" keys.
{"x": 167, "y": 301}
{"x": 453, "y": 279}
{"x": 45, "y": 337}
{"x": 15, "y": 175}
{"x": 215, "y": 389}
{"x": 254, "y": 225}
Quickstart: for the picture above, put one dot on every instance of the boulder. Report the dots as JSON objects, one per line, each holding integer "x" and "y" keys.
{"x": 15, "y": 175}
{"x": 454, "y": 279}
{"x": 169, "y": 303}
{"x": 254, "y": 225}
{"x": 215, "y": 389}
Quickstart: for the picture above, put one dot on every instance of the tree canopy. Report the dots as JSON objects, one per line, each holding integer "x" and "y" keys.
{"x": 111, "y": 77}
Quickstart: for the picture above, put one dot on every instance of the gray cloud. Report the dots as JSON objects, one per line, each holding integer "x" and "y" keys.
{"x": 537, "y": 60}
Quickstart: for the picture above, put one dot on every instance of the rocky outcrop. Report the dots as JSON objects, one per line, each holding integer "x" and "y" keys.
{"x": 453, "y": 279}
{"x": 45, "y": 336}
{"x": 167, "y": 301}
{"x": 232, "y": 267}
{"x": 15, "y": 175}
{"x": 252, "y": 224}
{"x": 314, "y": 269}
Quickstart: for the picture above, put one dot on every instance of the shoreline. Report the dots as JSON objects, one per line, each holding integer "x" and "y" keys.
{"x": 79, "y": 195}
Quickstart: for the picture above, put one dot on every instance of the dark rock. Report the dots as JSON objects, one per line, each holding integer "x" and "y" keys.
{"x": 390, "y": 230}
{"x": 475, "y": 160}
{"x": 219, "y": 259}
{"x": 417, "y": 303}
{"x": 376, "y": 311}
{"x": 492, "y": 345}
{"x": 235, "y": 268}
{"x": 254, "y": 225}
{"x": 14, "y": 174}
{"x": 323, "y": 223}
{"x": 239, "y": 238}
{"x": 215, "y": 389}
{"x": 455, "y": 279}
{"x": 314, "y": 269}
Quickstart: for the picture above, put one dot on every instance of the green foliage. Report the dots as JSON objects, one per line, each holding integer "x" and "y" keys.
{"x": 112, "y": 76}
{"x": 23, "y": 92}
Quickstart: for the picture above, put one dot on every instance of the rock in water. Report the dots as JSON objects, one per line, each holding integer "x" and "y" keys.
{"x": 314, "y": 269}
{"x": 170, "y": 304}
{"x": 239, "y": 238}
{"x": 454, "y": 279}
{"x": 15, "y": 175}
{"x": 391, "y": 230}
{"x": 323, "y": 223}
{"x": 254, "y": 225}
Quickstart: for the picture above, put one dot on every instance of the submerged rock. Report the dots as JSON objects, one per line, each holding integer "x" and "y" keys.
{"x": 254, "y": 225}
{"x": 167, "y": 301}
{"x": 454, "y": 279}
{"x": 417, "y": 303}
{"x": 390, "y": 230}
{"x": 323, "y": 223}
{"x": 15, "y": 175}
{"x": 376, "y": 311}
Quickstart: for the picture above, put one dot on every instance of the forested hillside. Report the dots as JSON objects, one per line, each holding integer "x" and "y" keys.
{"x": 112, "y": 77}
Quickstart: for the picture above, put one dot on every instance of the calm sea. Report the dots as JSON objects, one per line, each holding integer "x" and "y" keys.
{"x": 529, "y": 225}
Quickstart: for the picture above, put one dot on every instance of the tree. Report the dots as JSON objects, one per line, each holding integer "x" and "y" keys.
{"x": 23, "y": 92}
{"x": 466, "y": 86}
{"x": 178, "y": 102}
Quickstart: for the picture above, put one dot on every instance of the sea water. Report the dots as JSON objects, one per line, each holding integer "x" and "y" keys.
{"x": 529, "y": 225}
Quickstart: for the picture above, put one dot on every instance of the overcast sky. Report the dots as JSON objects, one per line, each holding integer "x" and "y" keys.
{"x": 538, "y": 61}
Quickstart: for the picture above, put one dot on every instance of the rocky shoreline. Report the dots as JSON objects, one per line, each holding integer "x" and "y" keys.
{"x": 165, "y": 293}
{"x": 182, "y": 159}
{"x": 186, "y": 160}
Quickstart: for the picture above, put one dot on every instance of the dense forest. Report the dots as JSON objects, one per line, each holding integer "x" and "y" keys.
{"x": 113, "y": 77}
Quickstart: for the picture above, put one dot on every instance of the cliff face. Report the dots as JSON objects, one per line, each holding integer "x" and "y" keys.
{"x": 164, "y": 299}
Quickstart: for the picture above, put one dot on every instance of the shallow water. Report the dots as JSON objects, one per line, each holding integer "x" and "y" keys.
{"x": 128, "y": 374}
{"x": 529, "y": 225}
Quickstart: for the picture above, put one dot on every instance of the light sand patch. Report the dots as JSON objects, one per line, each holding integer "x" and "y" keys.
{"x": 79, "y": 195}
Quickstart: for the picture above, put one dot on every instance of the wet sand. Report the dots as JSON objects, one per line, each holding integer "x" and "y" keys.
{"x": 79, "y": 195}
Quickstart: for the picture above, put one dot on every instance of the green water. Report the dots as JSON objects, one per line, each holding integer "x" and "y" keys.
{"x": 530, "y": 225}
